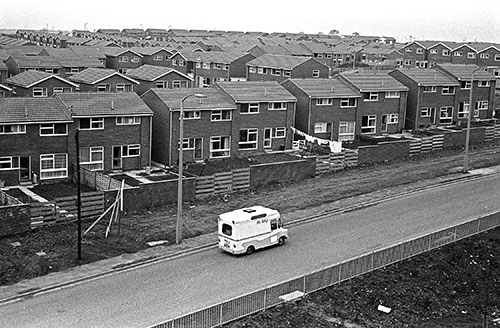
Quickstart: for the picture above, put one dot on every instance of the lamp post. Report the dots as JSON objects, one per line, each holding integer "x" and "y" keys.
{"x": 178, "y": 227}
{"x": 469, "y": 114}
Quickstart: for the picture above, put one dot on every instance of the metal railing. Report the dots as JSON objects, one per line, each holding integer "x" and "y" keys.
{"x": 236, "y": 308}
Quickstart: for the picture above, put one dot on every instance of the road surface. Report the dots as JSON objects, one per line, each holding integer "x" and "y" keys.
{"x": 157, "y": 292}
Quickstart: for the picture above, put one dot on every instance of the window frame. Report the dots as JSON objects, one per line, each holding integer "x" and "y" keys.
{"x": 20, "y": 128}
{"x": 125, "y": 120}
{"x": 223, "y": 141}
{"x": 251, "y": 142}
{"x": 348, "y": 100}
{"x": 52, "y": 129}
{"x": 220, "y": 113}
{"x": 324, "y": 101}
{"x": 348, "y": 134}
{"x": 371, "y": 127}
{"x": 51, "y": 173}
{"x": 93, "y": 121}
{"x": 39, "y": 92}
{"x": 92, "y": 163}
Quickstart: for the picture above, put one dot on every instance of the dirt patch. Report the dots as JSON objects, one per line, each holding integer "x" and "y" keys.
{"x": 51, "y": 191}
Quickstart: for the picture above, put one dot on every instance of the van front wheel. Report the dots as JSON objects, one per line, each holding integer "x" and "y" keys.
{"x": 281, "y": 241}
{"x": 250, "y": 250}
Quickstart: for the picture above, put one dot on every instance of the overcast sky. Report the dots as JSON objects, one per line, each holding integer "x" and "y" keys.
{"x": 454, "y": 20}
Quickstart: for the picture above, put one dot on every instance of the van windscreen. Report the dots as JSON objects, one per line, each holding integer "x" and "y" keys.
{"x": 227, "y": 229}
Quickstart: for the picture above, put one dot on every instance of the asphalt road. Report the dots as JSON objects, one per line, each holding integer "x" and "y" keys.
{"x": 157, "y": 292}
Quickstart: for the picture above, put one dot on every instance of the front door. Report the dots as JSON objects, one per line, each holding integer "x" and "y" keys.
{"x": 24, "y": 168}
{"x": 198, "y": 148}
{"x": 117, "y": 157}
{"x": 433, "y": 115}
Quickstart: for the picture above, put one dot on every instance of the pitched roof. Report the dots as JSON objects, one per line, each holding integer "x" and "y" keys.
{"x": 256, "y": 91}
{"x": 152, "y": 73}
{"x": 326, "y": 88}
{"x": 104, "y": 104}
{"x": 215, "y": 99}
{"x": 374, "y": 82}
{"x": 95, "y": 75}
{"x": 428, "y": 76}
{"x": 36, "y": 61}
{"x": 278, "y": 61}
{"x": 213, "y": 56}
{"x": 33, "y": 110}
{"x": 149, "y": 51}
{"x": 464, "y": 72}
{"x": 115, "y": 52}
{"x": 27, "y": 79}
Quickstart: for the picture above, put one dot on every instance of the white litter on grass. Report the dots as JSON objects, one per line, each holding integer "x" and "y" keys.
{"x": 16, "y": 244}
{"x": 156, "y": 243}
{"x": 41, "y": 253}
{"x": 384, "y": 309}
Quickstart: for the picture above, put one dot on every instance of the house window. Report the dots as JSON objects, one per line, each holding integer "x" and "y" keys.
{"x": 262, "y": 70}
{"x": 12, "y": 129}
{"x": 198, "y": 65}
{"x": 497, "y": 57}
{"x": 158, "y": 58}
{"x": 368, "y": 123}
{"x": 161, "y": 84}
{"x": 434, "y": 51}
{"x": 39, "y": 92}
{"x": 419, "y": 51}
{"x": 8, "y": 163}
{"x": 92, "y": 158}
{"x": 174, "y": 62}
{"x": 92, "y": 123}
{"x": 287, "y": 73}
{"x": 457, "y": 54}
{"x": 53, "y": 166}
{"x": 324, "y": 101}
{"x": 484, "y": 83}
{"x": 217, "y": 65}
{"x": 192, "y": 114}
{"x": 371, "y": 96}
{"x": 187, "y": 144}
{"x": 131, "y": 150}
{"x": 465, "y": 84}
{"x": 484, "y": 56}
{"x": 276, "y": 106}
{"x": 135, "y": 59}
{"x": 320, "y": 127}
{"x": 446, "y": 115}
{"x": 182, "y": 62}
{"x": 471, "y": 55}
{"x": 128, "y": 120}
{"x": 251, "y": 69}
{"x": 409, "y": 49}
{"x": 347, "y": 102}
{"x": 251, "y": 108}
{"x": 276, "y": 71}
{"x": 225, "y": 67}
{"x": 177, "y": 84}
{"x": 74, "y": 70}
{"x": 426, "y": 111}
{"x": 49, "y": 70}
{"x": 482, "y": 104}
{"x": 220, "y": 147}
{"x": 463, "y": 109}
{"x": 103, "y": 88}
{"x": 392, "y": 94}
{"x": 279, "y": 132}
{"x": 123, "y": 59}
{"x": 124, "y": 87}
{"x": 448, "y": 90}
{"x": 445, "y": 52}
{"x": 392, "y": 119}
{"x": 248, "y": 139}
{"x": 221, "y": 115}
{"x": 205, "y": 65}
{"x": 346, "y": 130}
{"x": 53, "y": 129}
{"x": 61, "y": 90}
{"x": 315, "y": 73}
{"x": 429, "y": 88}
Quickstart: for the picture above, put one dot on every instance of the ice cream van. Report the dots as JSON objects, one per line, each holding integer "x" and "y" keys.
{"x": 248, "y": 229}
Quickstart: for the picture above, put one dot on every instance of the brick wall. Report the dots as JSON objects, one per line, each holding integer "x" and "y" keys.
{"x": 14, "y": 219}
{"x": 384, "y": 152}
{"x": 285, "y": 172}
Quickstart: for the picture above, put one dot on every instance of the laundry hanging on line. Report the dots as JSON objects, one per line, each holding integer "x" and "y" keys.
{"x": 335, "y": 146}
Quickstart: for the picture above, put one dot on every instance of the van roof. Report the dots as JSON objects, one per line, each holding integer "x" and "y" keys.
{"x": 246, "y": 214}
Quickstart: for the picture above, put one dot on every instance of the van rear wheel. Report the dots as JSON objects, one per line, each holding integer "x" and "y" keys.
{"x": 250, "y": 250}
{"x": 281, "y": 241}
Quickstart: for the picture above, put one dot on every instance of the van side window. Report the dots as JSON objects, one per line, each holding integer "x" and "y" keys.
{"x": 227, "y": 229}
{"x": 274, "y": 224}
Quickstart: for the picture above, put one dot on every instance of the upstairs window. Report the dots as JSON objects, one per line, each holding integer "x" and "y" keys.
{"x": 92, "y": 123}
{"x": 448, "y": 90}
{"x": 324, "y": 101}
{"x": 348, "y": 102}
{"x": 276, "y": 106}
{"x": 429, "y": 88}
{"x": 12, "y": 129}
{"x": 128, "y": 120}
{"x": 371, "y": 96}
{"x": 39, "y": 92}
{"x": 392, "y": 94}
{"x": 251, "y": 108}
{"x": 53, "y": 129}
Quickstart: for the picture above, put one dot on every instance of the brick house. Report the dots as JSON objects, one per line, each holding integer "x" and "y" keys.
{"x": 72, "y": 64}
{"x": 34, "y": 141}
{"x": 157, "y": 34}
{"x": 39, "y": 84}
{"x": 208, "y": 125}
{"x": 279, "y": 68}
{"x": 210, "y": 67}
{"x": 150, "y": 76}
{"x": 122, "y": 59}
{"x": 3, "y": 72}
{"x": 265, "y": 111}
{"x": 115, "y": 130}
{"x": 179, "y": 62}
{"x": 382, "y": 106}
{"x": 440, "y": 52}
{"x": 157, "y": 56}
{"x": 482, "y": 86}
{"x": 103, "y": 80}
{"x": 326, "y": 108}
{"x": 431, "y": 97}
{"x": 463, "y": 54}
{"x": 19, "y": 63}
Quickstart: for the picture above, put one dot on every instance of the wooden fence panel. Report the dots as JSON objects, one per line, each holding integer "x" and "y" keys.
{"x": 437, "y": 142}
{"x": 322, "y": 164}
{"x": 426, "y": 144}
{"x": 204, "y": 186}
{"x": 42, "y": 213}
{"x": 241, "y": 179}
{"x": 223, "y": 182}
{"x": 351, "y": 158}
{"x": 489, "y": 133}
{"x": 415, "y": 147}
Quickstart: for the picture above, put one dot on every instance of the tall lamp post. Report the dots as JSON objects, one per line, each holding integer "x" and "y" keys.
{"x": 469, "y": 114}
{"x": 178, "y": 227}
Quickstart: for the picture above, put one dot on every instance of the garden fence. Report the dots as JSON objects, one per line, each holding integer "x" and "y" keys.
{"x": 220, "y": 183}
{"x": 230, "y": 310}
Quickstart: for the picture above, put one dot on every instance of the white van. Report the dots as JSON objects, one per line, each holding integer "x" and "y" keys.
{"x": 245, "y": 230}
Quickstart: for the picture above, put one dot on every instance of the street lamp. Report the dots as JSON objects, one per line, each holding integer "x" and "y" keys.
{"x": 469, "y": 114}
{"x": 178, "y": 228}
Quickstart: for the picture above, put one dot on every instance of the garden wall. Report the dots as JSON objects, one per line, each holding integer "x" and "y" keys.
{"x": 14, "y": 216}
{"x": 386, "y": 151}
{"x": 282, "y": 172}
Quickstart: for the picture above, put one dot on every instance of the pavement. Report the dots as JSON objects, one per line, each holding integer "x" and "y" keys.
{"x": 124, "y": 262}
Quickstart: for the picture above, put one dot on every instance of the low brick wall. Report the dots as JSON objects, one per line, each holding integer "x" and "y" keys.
{"x": 153, "y": 194}
{"x": 14, "y": 219}
{"x": 283, "y": 172}
{"x": 387, "y": 151}
{"x": 456, "y": 139}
